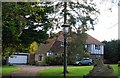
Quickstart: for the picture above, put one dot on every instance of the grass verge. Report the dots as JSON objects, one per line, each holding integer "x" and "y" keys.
{"x": 6, "y": 70}
{"x": 74, "y": 71}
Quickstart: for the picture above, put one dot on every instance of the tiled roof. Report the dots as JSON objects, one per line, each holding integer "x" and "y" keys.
{"x": 89, "y": 40}
{"x": 92, "y": 40}
{"x": 43, "y": 48}
{"x": 60, "y": 36}
{"x": 57, "y": 47}
{"x": 54, "y": 44}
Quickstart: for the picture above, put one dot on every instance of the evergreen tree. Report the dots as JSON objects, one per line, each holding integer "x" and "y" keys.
{"x": 111, "y": 51}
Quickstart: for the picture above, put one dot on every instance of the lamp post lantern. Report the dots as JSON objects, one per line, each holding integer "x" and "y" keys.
{"x": 65, "y": 30}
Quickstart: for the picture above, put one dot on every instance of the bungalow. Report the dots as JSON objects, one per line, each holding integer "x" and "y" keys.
{"x": 54, "y": 46}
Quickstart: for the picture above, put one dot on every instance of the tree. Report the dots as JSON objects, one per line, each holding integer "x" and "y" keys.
{"x": 19, "y": 28}
{"x": 112, "y": 51}
{"x": 76, "y": 47}
{"x": 10, "y": 28}
{"x": 72, "y": 13}
{"x": 32, "y": 49}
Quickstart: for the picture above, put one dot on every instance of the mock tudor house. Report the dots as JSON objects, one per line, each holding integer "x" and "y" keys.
{"x": 55, "y": 46}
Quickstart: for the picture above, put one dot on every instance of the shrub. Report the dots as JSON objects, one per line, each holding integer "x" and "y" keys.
{"x": 70, "y": 60}
{"x": 54, "y": 60}
{"x": 37, "y": 63}
{"x": 40, "y": 63}
{"x": 43, "y": 63}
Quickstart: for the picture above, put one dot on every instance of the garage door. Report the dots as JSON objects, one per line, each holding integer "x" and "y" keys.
{"x": 18, "y": 59}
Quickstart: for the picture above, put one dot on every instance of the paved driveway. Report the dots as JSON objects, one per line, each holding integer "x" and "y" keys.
{"x": 29, "y": 71}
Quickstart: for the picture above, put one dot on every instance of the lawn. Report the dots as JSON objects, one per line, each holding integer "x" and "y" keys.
{"x": 74, "y": 71}
{"x": 5, "y": 70}
{"x": 119, "y": 71}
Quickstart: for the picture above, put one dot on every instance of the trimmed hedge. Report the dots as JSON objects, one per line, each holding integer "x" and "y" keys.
{"x": 54, "y": 60}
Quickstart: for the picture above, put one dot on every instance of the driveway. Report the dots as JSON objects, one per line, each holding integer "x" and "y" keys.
{"x": 29, "y": 71}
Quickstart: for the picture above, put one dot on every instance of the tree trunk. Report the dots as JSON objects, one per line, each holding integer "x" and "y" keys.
{"x": 4, "y": 61}
{"x": 100, "y": 70}
{"x": 32, "y": 59}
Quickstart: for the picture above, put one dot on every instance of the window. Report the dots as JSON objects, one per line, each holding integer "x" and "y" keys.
{"x": 55, "y": 54}
{"x": 97, "y": 47}
{"x": 88, "y": 47}
{"x": 62, "y": 44}
{"x": 40, "y": 57}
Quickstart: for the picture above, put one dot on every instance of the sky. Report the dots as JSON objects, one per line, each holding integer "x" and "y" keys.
{"x": 107, "y": 26}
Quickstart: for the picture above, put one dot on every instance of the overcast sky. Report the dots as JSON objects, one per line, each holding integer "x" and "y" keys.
{"x": 107, "y": 26}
